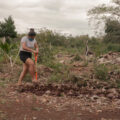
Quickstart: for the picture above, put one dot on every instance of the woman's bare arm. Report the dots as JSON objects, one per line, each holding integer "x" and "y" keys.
{"x": 26, "y": 48}
{"x": 36, "y": 46}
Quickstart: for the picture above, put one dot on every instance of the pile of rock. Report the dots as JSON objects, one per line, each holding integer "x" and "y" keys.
{"x": 111, "y": 57}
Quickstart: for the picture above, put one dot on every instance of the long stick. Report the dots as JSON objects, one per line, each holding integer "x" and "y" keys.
{"x": 36, "y": 56}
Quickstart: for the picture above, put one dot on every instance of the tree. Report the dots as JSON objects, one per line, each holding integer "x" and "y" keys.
{"x": 104, "y": 12}
{"x": 112, "y": 30}
{"x": 7, "y": 29}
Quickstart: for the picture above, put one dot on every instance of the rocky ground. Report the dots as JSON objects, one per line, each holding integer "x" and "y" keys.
{"x": 15, "y": 105}
{"x": 83, "y": 98}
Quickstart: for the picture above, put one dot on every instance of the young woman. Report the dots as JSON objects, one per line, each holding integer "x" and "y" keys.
{"x": 28, "y": 46}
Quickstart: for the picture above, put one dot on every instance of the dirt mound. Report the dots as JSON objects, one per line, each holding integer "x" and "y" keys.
{"x": 69, "y": 90}
{"x": 54, "y": 90}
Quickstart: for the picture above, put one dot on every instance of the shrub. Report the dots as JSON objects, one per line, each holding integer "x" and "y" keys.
{"x": 113, "y": 47}
{"x": 77, "y": 58}
{"x": 101, "y": 72}
{"x": 118, "y": 83}
{"x": 55, "y": 78}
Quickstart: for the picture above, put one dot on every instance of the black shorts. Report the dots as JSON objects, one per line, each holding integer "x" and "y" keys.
{"x": 25, "y": 55}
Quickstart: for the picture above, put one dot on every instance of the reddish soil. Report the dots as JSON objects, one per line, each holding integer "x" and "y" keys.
{"x": 27, "y": 106}
{"x": 91, "y": 101}
{"x": 68, "y": 90}
{"x": 37, "y": 111}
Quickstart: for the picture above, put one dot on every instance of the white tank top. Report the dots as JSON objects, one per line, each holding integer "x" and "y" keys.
{"x": 29, "y": 44}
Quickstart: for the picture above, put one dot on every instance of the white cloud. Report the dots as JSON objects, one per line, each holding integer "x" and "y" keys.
{"x": 63, "y": 15}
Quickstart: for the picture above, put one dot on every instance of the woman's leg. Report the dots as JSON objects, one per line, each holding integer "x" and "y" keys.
{"x": 31, "y": 68}
{"x": 23, "y": 73}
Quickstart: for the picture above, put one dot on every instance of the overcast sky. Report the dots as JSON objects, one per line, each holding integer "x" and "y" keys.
{"x": 67, "y": 16}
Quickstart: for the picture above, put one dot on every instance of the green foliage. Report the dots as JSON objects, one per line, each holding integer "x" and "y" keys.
{"x": 85, "y": 63}
{"x": 51, "y": 37}
{"x": 97, "y": 47}
{"x": 103, "y": 12}
{"x": 78, "y": 80}
{"x": 8, "y": 51}
{"x": 113, "y": 47}
{"x": 7, "y": 29}
{"x": 7, "y": 48}
{"x": 60, "y": 74}
{"x": 77, "y": 42}
{"x": 45, "y": 54}
{"x": 118, "y": 83}
{"x": 93, "y": 41}
{"x": 101, "y": 72}
{"x": 77, "y": 58}
{"x": 55, "y": 78}
{"x": 101, "y": 47}
{"x": 112, "y": 31}
{"x": 1, "y": 60}
{"x": 56, "y": 66}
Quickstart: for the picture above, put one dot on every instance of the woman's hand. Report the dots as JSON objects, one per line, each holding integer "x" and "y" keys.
{"x": 35, "y": 51}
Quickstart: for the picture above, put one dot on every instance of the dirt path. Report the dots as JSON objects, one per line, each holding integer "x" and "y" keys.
{"x": 26, "y": 111}
{"x": 27, "y": 106}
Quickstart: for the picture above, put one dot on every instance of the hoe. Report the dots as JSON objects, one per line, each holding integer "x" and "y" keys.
{"x": 36, "y": 56}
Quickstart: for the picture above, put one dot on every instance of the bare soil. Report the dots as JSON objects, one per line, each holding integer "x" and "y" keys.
{"x": 86, "y": 100}
{"x": 47, "y": 105}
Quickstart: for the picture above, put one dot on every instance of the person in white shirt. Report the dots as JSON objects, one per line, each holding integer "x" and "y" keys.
{"x": 28, "y": 46}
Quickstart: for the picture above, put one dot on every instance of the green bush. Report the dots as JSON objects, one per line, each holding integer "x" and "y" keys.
{"x": 118, "y": 83}
{"x": 113, "y": 47}
{"x": 112, "y": 30}
{"x": 45, "y": 54}
{"x": 55, "y": 78}
{"x": 101, "y": 72}
{"x": 56, "y": 66}
{"x": 77, "y": 58}
{"x": 61, "y": 73}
